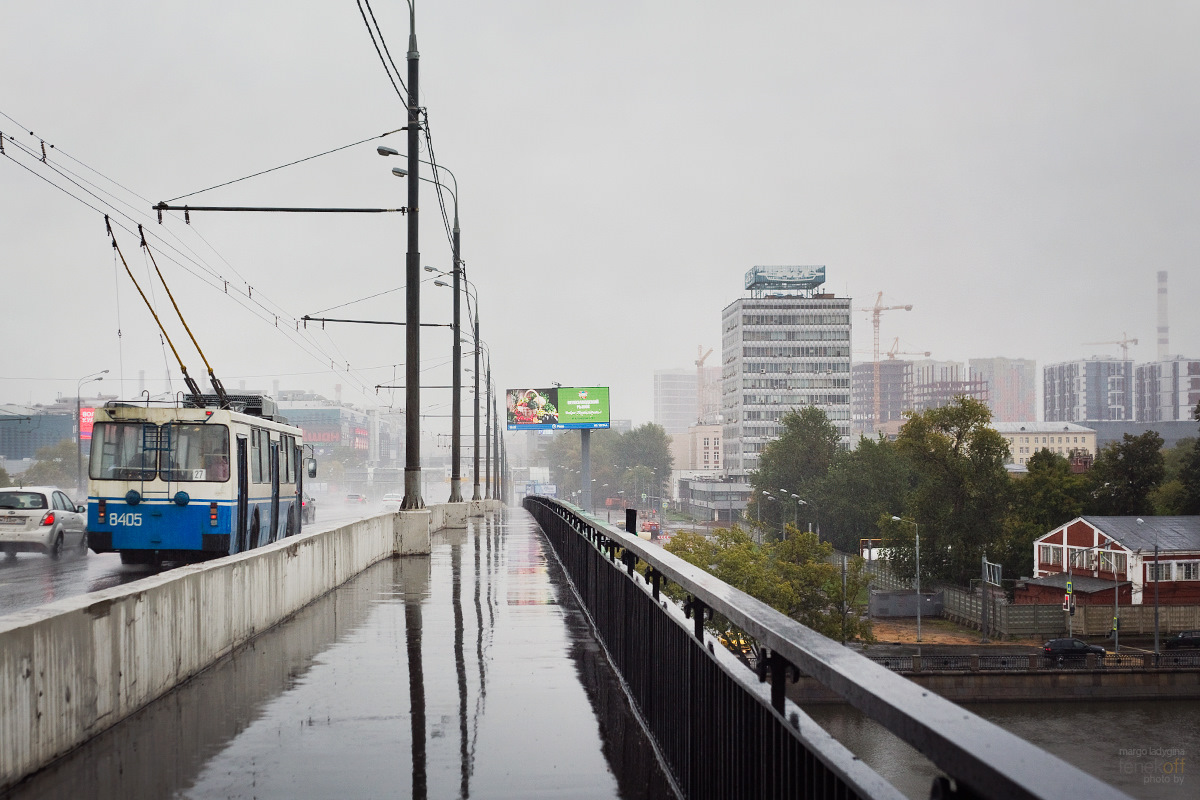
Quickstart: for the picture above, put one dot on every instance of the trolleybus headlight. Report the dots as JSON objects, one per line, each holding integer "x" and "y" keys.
{"x": 133, "y": 497}
{"x": 181, "y": 498}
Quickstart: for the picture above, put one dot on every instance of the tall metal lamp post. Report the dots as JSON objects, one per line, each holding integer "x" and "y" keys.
{"x": 917, "y": 533}
{"x": 1141, "y": 522}
{"x": 96, "y": 376}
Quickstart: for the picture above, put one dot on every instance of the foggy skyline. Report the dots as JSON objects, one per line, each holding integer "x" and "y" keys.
{"x": 1019, "y": 174}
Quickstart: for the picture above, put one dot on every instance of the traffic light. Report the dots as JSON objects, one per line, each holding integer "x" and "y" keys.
{"x": 1066, "y": 602}
{"x": 1072, "y": 605}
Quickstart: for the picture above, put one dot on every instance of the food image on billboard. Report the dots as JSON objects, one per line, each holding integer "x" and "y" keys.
{"x": 558, "y": 408}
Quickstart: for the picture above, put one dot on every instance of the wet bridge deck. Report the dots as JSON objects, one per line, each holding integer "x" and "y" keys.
{"x": 469, "y": 673}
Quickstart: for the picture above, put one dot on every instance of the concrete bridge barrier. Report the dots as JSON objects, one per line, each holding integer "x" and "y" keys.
{"x": 71, "y": 669}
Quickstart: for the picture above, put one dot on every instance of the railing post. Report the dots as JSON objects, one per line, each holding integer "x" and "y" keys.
{"x": 695, "y": 609}
{"x": 781, "y": 669}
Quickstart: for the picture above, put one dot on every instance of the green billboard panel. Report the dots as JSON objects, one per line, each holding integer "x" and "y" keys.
{"x": 557, "y": 408}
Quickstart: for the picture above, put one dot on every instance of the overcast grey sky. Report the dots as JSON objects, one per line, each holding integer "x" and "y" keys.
{"x": 1018, "y": 172}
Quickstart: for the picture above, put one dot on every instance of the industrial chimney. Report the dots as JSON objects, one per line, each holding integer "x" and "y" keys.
{"x": 1163, "y": 339}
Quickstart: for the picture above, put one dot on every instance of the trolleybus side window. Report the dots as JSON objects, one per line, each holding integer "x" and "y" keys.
{"x": 199, "y": 452}
{"x": 124, "y": 451}
{"x": 260, "y": 456}
{"x": 287, "y": 462}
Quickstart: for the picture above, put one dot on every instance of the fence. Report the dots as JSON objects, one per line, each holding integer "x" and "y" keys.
{"x": 721, "y": 734}
{"x": 1032, "y": 621}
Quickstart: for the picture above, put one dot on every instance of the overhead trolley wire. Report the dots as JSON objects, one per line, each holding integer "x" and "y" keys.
{"x": 199, "y": 269}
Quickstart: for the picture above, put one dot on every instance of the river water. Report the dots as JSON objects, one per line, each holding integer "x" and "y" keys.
{"x": 1148, "y": 749}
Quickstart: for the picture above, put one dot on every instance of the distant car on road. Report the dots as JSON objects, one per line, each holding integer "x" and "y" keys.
{"x": 41, "y": 519}
{"x": 308, "y": 508}
{"x": 392, "y": 502}
{"x": 1071, "y": 648}
{"x": 1183, "y": 639}
{"x": 354, "y": 499}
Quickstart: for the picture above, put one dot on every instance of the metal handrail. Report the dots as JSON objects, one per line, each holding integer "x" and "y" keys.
{"x": 989, "y": 760}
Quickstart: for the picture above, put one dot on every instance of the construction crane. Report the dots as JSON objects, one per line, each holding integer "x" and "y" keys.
{"x": 875, "y": 312}
{"x": 894, "y": 351}
{"x": 1124, "y": 342}
{"x": 701, "y": 384}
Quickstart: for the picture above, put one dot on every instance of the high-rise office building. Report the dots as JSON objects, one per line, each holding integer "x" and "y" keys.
{"x": 1011, "y": 387}
{"x": 675, "y": 403}
{"x": 1167, "y": 390}
{"x": 1092, "y": 390}
{"x": 783, "y": 347}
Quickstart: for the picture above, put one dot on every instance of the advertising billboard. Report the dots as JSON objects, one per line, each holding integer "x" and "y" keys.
{"x": 557, "y": 408}
{"x": 86, "y": 415}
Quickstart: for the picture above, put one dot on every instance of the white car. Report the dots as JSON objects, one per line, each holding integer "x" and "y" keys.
{"x": 41, "y": 519}
{"x": 392, "y": 502}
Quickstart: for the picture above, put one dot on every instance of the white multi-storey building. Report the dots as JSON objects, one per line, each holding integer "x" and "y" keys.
{"x": 1011, "y": 386}
{"x": 784, "y": 347}
{"x": 1095, "y": 390}
{"x": 1167, "y": 390}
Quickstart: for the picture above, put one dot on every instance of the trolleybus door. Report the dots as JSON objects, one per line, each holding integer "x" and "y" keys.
{"x": 274, "y": 492}
{"x": 243, "y": 489}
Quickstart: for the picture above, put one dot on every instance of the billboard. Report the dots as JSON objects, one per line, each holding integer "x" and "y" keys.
{"x": 557, "y": 408}
{"x": 86, "y": 415}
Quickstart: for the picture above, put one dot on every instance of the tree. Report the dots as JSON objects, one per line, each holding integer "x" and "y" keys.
{"x": 54, "y": 465}
{"x": 1125, "y": 473}
{"x": 794, "y": 462}
{"x": 795, "y": 576}
{"x": 1189, "y": 477}
{"x": 4, "y": 479}
{"x": 1048, "y": 495}
{"x": 962, "y": 486}
{"x": 861, "y": 485}
{"x": 1170, "y": 496}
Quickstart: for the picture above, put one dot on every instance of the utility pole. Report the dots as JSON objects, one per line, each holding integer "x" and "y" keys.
{"x": 456, "y": 403}
{"x": 412, "y": 332}
{"x": 478, "y": 347}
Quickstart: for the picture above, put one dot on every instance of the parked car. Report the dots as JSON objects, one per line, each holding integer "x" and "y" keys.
{"x": 308, "y": 508}
{"x": 392, "y": 502}
{"x": 1182, "y": 640}
{"x": 354, "y": 499}
{"x": 41, "y": 519}
{"x": 1071, "y": 648}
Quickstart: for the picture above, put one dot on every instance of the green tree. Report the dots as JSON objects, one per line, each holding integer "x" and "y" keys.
{"x": 1170, "y": 496}
{"x": 1189, "y": 477}
{"x": 962, "y": 486}
{"x": 54, "y": 465}
{"x": 795, "y": 462}
{"x": 1125, "y": 473}
{"x": 4, "y": 479}
{"x": 861, "y": 485}
{"x": 796, "y": 576}
{"x": 1048, "y": 495}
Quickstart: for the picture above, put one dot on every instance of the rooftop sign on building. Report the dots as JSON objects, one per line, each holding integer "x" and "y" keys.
{"x": 765, "y": 279}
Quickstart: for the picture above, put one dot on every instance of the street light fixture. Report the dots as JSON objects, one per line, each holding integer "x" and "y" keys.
{"x": 917, "y": 533}
{"x": 79, "y": 426}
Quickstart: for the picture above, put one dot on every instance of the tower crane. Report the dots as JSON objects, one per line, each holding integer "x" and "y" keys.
{"x": 701, "y": 384}
{"x": 1124, "y": 342}
{"x": 894, "y": 351}
{"x": 875, "y": 312}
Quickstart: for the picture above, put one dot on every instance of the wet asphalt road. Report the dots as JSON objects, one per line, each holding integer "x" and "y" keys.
{"x": 32, "y": 579}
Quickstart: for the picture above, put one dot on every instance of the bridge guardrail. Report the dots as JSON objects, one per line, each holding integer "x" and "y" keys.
{"x": 721, "y": 735}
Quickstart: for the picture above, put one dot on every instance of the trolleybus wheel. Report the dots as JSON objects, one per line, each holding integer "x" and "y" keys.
{"x": 253, "y": 543}
{"x": 291, "y": 523}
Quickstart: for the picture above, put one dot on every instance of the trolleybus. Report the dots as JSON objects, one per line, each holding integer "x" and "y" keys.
{"x": 191, "y": 481}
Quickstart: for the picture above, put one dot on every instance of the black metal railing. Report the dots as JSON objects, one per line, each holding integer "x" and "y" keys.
{"x": 721, "y": 733}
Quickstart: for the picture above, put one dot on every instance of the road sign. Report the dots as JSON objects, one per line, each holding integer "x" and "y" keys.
{"x": 664, "y": 504}
{"x": 644, "y": 495}
{"x": 1068, "y": 588}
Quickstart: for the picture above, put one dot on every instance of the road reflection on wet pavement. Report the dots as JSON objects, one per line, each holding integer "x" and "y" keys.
{"x": 468, "y": 673}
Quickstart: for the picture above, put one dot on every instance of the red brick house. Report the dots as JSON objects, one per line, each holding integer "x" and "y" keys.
{"x": 1117, "y": 550}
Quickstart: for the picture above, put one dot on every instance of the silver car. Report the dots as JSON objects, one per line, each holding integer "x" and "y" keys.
{"x": 41, "y": 519}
